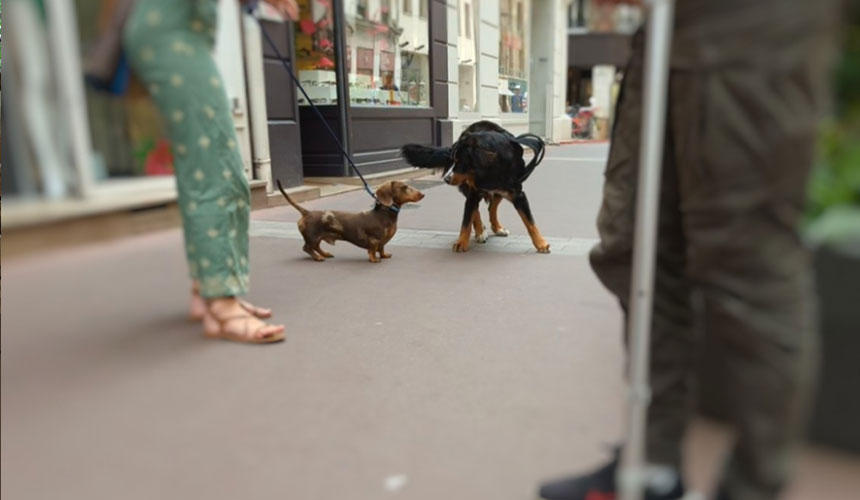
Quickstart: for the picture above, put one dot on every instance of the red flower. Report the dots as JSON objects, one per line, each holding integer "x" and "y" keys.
{"x": 159, "y": 161}
{"x": 307, "y": 26}
{"x": 599, "y": 495}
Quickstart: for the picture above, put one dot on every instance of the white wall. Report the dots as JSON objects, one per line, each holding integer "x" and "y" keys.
{"x": 553, "y": 47}
{"x": 229, "y": 57}
{"x": 560, "y": 122}
{"x": 602, "y": 78}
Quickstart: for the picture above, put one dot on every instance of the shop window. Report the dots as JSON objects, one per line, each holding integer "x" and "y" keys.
{"x": 576, "y": 16}
{"x": 127, "y": 133}
{"x": 520, "y": 17}
{"x": 385, "y": 11}
{"x": 467, "y": 58}
{"x": 315, "y": 57}
{"x": 513, "y": 47}
{"x": 387, "y": 54}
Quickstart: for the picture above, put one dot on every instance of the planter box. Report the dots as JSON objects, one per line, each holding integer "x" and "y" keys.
{"x": 835, "y": 416}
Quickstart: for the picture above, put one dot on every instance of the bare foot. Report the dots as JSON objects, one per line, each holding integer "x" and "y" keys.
{"x": 197, "y": 308}
{"x": 226, "y": 318}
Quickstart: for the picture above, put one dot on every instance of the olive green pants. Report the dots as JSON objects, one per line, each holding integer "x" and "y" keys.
{"x": 730, "y": 264}
{"x": 169, "y": 44}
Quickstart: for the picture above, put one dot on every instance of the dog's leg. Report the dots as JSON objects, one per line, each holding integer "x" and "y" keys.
{"x": 322, "y": 252}
{"x": 310, "y": 251}
{"x": 383, "y": 254}
{"x": 472, "y": 201}
{"x": 522, "y": 205}
{"x": 498, "y": 230}
{"x": 372, "y": 250}
{"x": 478, "y": 224}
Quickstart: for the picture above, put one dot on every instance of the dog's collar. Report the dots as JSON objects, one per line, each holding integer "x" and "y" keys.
{"x": 393, "y": 208}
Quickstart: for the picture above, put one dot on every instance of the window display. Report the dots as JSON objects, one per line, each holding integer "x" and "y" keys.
{"x": 126, "y": 130}
{"x": 315, "y": 57}
{"x": 513, "y": 47}
{"x": 467, "y": 54}
{"x": 387, "y": 53}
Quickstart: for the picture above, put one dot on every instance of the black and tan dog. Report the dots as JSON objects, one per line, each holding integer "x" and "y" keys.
{"x": 370, "y": 230}
{"x": 486, "y": 163}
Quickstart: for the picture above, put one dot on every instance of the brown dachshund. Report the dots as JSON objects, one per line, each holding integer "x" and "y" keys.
{"x": 371, "y": 229}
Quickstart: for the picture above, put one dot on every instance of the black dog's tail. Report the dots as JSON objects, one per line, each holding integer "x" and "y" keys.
{"x": 537, "y": 145}
{"x": 426, "y": 157}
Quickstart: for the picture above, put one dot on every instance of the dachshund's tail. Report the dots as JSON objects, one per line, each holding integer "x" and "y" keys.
{"x": 295, "y": 205}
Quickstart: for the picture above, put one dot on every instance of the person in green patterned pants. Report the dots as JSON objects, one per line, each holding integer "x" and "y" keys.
{"x": 169, "y": 45}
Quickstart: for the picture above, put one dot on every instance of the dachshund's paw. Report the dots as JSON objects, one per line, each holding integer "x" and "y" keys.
{"x": 461, "y": 246}
{"x": 543, "y": 248}
{"x": 385, "y": 255}
{"x": 483, "y": 237}
{"x": 501, "y": 232}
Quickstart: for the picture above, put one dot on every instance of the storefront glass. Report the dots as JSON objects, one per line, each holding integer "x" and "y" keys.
{"x": 387, "y": 53}
{"x": 315, "y": 55}
{"x": 513, "y": 47}
{"x": 128, "y": 137}
{"x": 467, "y": 52}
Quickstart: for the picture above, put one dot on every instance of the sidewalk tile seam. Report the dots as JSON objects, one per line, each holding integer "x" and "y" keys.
{"x": 430, "y": 239}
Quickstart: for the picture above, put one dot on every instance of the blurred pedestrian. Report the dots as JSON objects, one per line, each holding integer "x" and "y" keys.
{"x": 746, "y": 87}
{"x": 169, "y": 45}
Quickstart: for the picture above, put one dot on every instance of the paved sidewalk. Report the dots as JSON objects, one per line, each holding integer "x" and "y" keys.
{"x": 432, "y": 375}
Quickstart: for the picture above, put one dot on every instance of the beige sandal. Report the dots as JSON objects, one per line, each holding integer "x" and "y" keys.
{"x": 258, "y": 312}
{"x": 247, "y": 337}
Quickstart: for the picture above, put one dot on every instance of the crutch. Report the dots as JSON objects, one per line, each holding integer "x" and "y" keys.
{"x": 632, "y": 473}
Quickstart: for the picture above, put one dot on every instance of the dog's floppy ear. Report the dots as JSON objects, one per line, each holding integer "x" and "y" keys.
{"x": 385, "y": 194}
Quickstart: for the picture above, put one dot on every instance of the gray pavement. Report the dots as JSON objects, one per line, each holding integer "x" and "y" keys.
{"x": 432, "y": 375}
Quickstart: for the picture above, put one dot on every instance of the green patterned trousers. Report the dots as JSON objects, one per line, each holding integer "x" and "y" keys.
{"x": 169, "y": 45}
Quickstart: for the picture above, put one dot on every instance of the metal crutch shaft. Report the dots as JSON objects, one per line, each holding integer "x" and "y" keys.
{"x": 632, "y": 474}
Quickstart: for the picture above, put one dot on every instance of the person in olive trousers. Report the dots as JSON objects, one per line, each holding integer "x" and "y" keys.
{"x": 747, "y": 84}
{"x": 169, "y": 46}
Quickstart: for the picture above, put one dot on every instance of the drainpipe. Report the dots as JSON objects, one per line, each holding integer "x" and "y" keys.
{"x": 63, "y": 37}
{"x": 256, "y": 85}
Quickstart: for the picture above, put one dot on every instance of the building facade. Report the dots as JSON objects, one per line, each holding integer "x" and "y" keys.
{"x": 599, "y": 35}
{"x": 382, "y": 72}
{"x": 507, "y": 63}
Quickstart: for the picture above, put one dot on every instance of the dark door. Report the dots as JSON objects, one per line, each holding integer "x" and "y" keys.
{"x": 285, "y": 142}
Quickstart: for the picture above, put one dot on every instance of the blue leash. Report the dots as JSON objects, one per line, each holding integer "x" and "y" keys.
{"x": 250, "y": 9}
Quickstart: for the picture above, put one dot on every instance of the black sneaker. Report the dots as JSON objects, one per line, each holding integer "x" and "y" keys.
{"x": 598, "y": 485}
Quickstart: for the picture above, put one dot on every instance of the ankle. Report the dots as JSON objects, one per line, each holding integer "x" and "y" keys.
{"x": 219, "y": 304}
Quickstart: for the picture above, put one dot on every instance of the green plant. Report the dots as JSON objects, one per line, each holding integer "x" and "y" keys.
{"x": 834, "y": 190}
